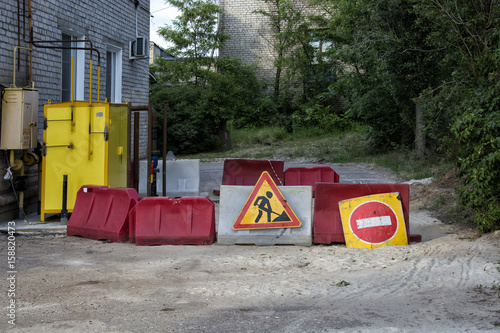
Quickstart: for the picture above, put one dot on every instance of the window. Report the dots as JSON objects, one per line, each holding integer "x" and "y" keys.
{"x": 320, "y": 48}
{"x": 114, "y": 74}
{"x": 321, "y": 73}
{"x": 78, "y": 68}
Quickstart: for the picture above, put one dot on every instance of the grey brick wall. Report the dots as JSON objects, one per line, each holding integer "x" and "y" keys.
{"x": 250, "y": 36}
{"x": 108, "y": 22}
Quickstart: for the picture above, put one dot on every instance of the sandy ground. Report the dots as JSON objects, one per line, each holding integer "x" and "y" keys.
{"x": 448, "y": 283}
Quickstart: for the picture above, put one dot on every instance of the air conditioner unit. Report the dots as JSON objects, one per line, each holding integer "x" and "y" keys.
{"x": 138, "y": 48}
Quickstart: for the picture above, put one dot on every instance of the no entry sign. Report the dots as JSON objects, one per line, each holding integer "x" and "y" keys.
{"x": 373, "y": 221}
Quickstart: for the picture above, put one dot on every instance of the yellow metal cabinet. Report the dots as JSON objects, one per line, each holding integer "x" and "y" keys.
{"x": 88, "y": 143}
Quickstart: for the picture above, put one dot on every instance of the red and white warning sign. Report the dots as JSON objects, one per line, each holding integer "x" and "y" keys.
{"x": 266, "y": 208}
{"x": 373, "y": 221}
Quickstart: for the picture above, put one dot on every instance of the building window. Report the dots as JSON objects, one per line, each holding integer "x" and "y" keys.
{"x": 321, "y": 73}
{"x": 114, "y": 75}
{"x": 320, "y": 48}
{"x": 78, "y": 68}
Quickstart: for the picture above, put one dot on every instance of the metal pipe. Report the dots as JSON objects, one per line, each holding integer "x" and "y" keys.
{"x": 18, "y": 27}
{"x": 91, "y": 48}
{"x": 18, "y": 165}
{"x": 90, "y": 132}
{"x": 15, "y": 52}
{"x": 90, "y": 86}
{"x": 136, "y": 151}
{"x": 72, "y": 82}
{"x": 98, "y": 83}
{"x": 34, "y": 43}
{"x": 24, "y": 19}
{"x": 30, "y": 22}
{"x": 164, "y": 166}
{"x": 129, "y": 144}
{"x": 21, "y": 195}
{"x": 150, "y": 128}
{"x": 64, "y": 209}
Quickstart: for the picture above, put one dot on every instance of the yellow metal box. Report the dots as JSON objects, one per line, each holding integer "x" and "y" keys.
{"x": 88, "y": 143}
{"x": 19, "y": 118}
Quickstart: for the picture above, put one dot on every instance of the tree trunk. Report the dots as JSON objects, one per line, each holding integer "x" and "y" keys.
{"x": 224, "y": 136}
{"x": 419, "y": 130}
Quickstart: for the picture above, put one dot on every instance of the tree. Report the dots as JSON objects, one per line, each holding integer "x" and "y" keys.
{"x": 384, "y": 47}
{"x": 195, "y": 37}
{"x": 287, "y": 24}
{"x": 234, "y": 93}
{"x": 216, "y": 90}
{"x": 440, "y": 57}
{"x": 467, "y": 104}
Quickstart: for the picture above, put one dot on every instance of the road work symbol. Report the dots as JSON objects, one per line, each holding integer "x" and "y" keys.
{"x": 373, "y": 221}
{"x": 266, "y": 208}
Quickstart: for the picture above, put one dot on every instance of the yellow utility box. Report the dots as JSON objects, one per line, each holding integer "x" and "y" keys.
{"x": 88, "y": 143}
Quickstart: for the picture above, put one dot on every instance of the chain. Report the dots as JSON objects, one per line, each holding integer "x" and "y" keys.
{"x": 278, "y": 178}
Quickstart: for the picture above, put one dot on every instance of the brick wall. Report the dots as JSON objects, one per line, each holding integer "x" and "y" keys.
{"x": 108, "y": 23}
{"x": 250, "y": 35}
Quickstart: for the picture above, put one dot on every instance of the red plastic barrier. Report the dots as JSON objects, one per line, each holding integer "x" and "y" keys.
{"x": 327, "y": 222}
{"x": 300, "y": 176}
{"x": 181, "y": 221}
{"x": 102, "y": 213}
{"x": 247, "y": 172}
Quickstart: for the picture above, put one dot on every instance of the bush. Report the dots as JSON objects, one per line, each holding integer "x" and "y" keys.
{"x": 319, "y": 116}
{"x": 199, "y": 111}
{"x": 478, "y": 138}
{"x": 188, "y": 131}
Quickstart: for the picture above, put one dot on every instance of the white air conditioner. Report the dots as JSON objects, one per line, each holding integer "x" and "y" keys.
{"x": 138, "y": 48}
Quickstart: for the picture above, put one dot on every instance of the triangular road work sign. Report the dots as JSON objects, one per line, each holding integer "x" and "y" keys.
{"x": 266, "y": 208}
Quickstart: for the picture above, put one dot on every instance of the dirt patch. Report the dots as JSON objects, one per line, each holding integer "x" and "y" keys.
{"x": 447, "y": 283}
{"x": 440, "y": 198}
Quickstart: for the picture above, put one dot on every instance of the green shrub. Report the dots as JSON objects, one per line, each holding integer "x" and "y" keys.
{"x": 188, "y": 131}
{"x": 319, "y": 116}
{"x": 256, "y": 136}
{"x": 478, "y": 138}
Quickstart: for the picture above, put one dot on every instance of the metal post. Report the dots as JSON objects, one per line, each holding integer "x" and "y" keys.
{"x": 64, "y": 210}
{"x": 136, "y": 150}
{"x": 150, "y": 130}
{"x": 164, "y": 166}
{"x": 129, "y": 144}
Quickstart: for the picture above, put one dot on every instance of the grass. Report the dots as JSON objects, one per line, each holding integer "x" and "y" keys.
{"x": 315, "y": 146}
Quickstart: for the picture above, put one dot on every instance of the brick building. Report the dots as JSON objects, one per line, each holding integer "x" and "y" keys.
{"x": 111, "y": 26}
{"x": 250, "y": 35}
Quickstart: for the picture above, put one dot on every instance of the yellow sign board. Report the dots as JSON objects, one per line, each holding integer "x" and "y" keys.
{"x": 373, "y": 221}
{"x": 266, "y": 208}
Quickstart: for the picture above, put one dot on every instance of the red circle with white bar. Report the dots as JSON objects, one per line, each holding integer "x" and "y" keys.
{"x": 373, "y": 222}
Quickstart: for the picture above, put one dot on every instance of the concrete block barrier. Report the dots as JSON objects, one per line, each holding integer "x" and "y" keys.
{"x": 233, "y": 199}
{"x": 102, "y": 213}
{"x": 182, "y": 178}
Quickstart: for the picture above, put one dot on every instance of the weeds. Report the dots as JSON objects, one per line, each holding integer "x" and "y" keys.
{"x": 494, "y": 290}
{"x": 335, "y": 147}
